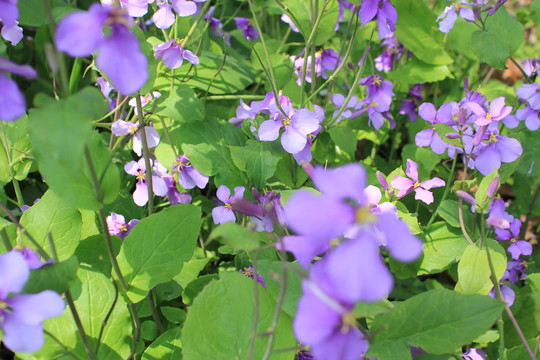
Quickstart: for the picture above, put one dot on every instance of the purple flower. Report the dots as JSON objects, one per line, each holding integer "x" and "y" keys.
{"x": 225, "y": 213}
{"x": 508, "y": 295}
{"x": 339, "y": 101}
{"x": 138, "y": 169}
{"x": 408, "y": 105}
{"x": 326, "y": 60}
{"x": 406, "y": 186}
{"x": 173, "y": 195}
{"x": 173, "y": 54}
{"x": 496, "y": 112}
{"x": 286, "y": 19}
{"x": 517, "y": 247}
{"x": 12, "y": 102}
{"x": 392, "y": 52}
{"x": 119, "y": 55}
{"x": 474, "y": 354}
{"x": 248, "y": 271}
{"x": 297, "y": 127}
{"x": 499, "y": 149}
{"x": 117, "y": 226}
{"x": 32, "y": 259}
{"x": 122, "y": 128}
{"x": 385, "y": 12}
{"x": 450, "y": 14}
{"x": 135, "y": 8}
{"x": 13, "y": 34}
{"x": 164, "y": 17}
{"x": 272, "y": 211}
{"x": 9, "y": 13}
{"x": 188, "y": 176}
{"x": 22, "y": 315}
{"x": 515, "y": 270}
{"x": 249, "y": 32}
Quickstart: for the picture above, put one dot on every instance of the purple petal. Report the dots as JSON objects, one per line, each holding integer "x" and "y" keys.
{"x": 152, "y": 137}
{"x": 79, "y": 33}
{"x": 448, "y": 23}
{"x": 140, "y": 195}
{"x": 412, "y": 170}
{"x": 423, "y": 138}
{"x": 358, "y": 272}
{"x": 435, "y": 182}
{"x": 164, "y": 17}
{"x": 191, "y": 57}
{"x": 224, "y": 194}
{"x": 121, "y": 128}
{"x": 13, "y": 34}
{"x": 401, "y": 244}
{"x": 488, "y": 160}
{"x": 222, "y": 214}
{"x": 404, "y": 185}
{"x": 15, "y": 273}
{"x": 467, "y": 14}
{"x": 292, "y": 140}
{"x": 344, "y": 182}
{"x": 318, "y": 218}
{"x": 424, "y": 195}
{"x": 34, "y": 308}
{"x": 121, "y": 59}
{"x": 132, "y": 168}
{"x": 184, "y": 8}
{"x": 305, "y": 121}
{"x": 351, "y": 345}
{"x": 368, "y": 10}
{"x": 12, "y": 102}
{"x": 172, "y": 58}
{"x": 520, "y": 247}
{"x": 510, "y": 149}
{"x": 9, "y": 12}
{"x": 21, "y": 337}
{"x": 427, "y": 112}
{"x": 269, "y": 130}
{"x": 437, "y": 145}
{"x": 303, "y": 249}
{"x": 159, "y": 186}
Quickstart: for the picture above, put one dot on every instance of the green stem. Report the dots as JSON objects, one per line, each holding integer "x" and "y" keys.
{"x": 531, "y": 209}
{"x": 446, "y": 192}
{"x": 16, "y": 187}
{"x": 146, "y": 155}
{"x": 75, "y": 75}
{"x": 529, "y": 80}
{"x": 5, "y": 240}
{"x": 195, "y": 24}
{"x": 154, "y": 312}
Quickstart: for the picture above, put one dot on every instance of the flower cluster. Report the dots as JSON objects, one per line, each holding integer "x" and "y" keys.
{"x": 467, "y": 10}
{"x": 346, "y": 224}
{"x": 325, "y": 61}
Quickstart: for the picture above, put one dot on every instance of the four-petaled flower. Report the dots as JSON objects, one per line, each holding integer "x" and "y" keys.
{"x": 140, "y": 195}
{"x": 406, "y": 186}
{"x": 173, "y": 54}
{"x": 225, "y": 213}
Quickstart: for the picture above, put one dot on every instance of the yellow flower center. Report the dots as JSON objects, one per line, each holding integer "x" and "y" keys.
{"x": 141, "y": 175}
{"x": 416, "y": 184}
{"x": 3, "y": 305}
{"x": 348, "y": 321}
{"x": 286, "y": 122}
{"x": 122, "y": 228}
{"x": 376, "y": 80}
{"x": 493, "y": 138}
{"x": 373, "y": 104}
{"x": 364, "y": 214}
{"x": 228, "y": 206}
{"x": 488, "y": 116}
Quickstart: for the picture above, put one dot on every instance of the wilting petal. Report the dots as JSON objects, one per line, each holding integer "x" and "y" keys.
{"x": 121, "y": 59}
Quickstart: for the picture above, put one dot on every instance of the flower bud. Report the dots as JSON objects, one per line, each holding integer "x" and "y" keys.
{"x": 465, "y": 196}
{"x": 452, "y": 135}
{"x": 493, "y": 186}
{"x": 382, "y": 180}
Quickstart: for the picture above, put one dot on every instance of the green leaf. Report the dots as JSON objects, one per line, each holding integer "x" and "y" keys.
{"x": 490, "y": 49}
{"x": 443, "y": 247}
{"x": 464, "y": 185}
{"x": 236, "y": 236}
{"x": 509, "y": 30}
{"x": 57, "y": 277}
{"x": 63, "y": 221}
{"x": 344, "y": 138}
{"x": 167, "y": 346}
{"x": 474, "y": 271}
{"x": 58, "y": 133}
{"x": 32, "y": 12}
{"x": 302, "y": 11}
{"x": 18, "y": 145}
{"x": 480, "y": 196}
{"x": 208, "y": 149}
{"x": 415, "y": 29}
{"x": 181, "y": 105}
{"x": 442, "y": 130}
{"x": 535, "y": 11}
{"x": 438, "y": 321}
{"x": 94, "y": 296}
{"x": 449, "y": 211}
{"x": 220, "y": 322}
{"x": 173, "y": 314}
{"x": 195, "y": 287}
{"x": 217, "y": 74}
{"x": 259, "y": 160}
{"x": 416, "y": 71}
{"x": 156, "y": 248}
{"x": 190, "y": 270}
{"x": 528, "y": 162}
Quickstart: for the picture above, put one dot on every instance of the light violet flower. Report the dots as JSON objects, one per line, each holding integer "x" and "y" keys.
{"x": 406, "y": 186}
{"x": 140, "y": 195}
{"x": 122, "y": 128}
{"x": 286, "y": 19}
{"x": 385, "y": 12}
{"x": 499, "y": 149}
{"x": 119, "y": 56}
{"x": 32, "y": 259}
{"x": 248, "y": 271}
{"x": 496, "y": 112}
{"x": 164, "y": 17}
{"x": 13, "y": 34}
{"x": 517, "y": 247}
{"x": 297, "y": 126}
{"x": 450, "y": 15}
{"x": 474, "y": 354}
{"x": 188, "y": 176}
{"x": 135, "y": 8}
{"x": 9, "y": 13}
{"x": 117, "y": 226}
{"x": 12, "y": 102}
{"x": 22, "y": 315}
{"x": 173, "y": 54}
{"x": 225, "y": 213}
{"x": 145, "y": 100}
